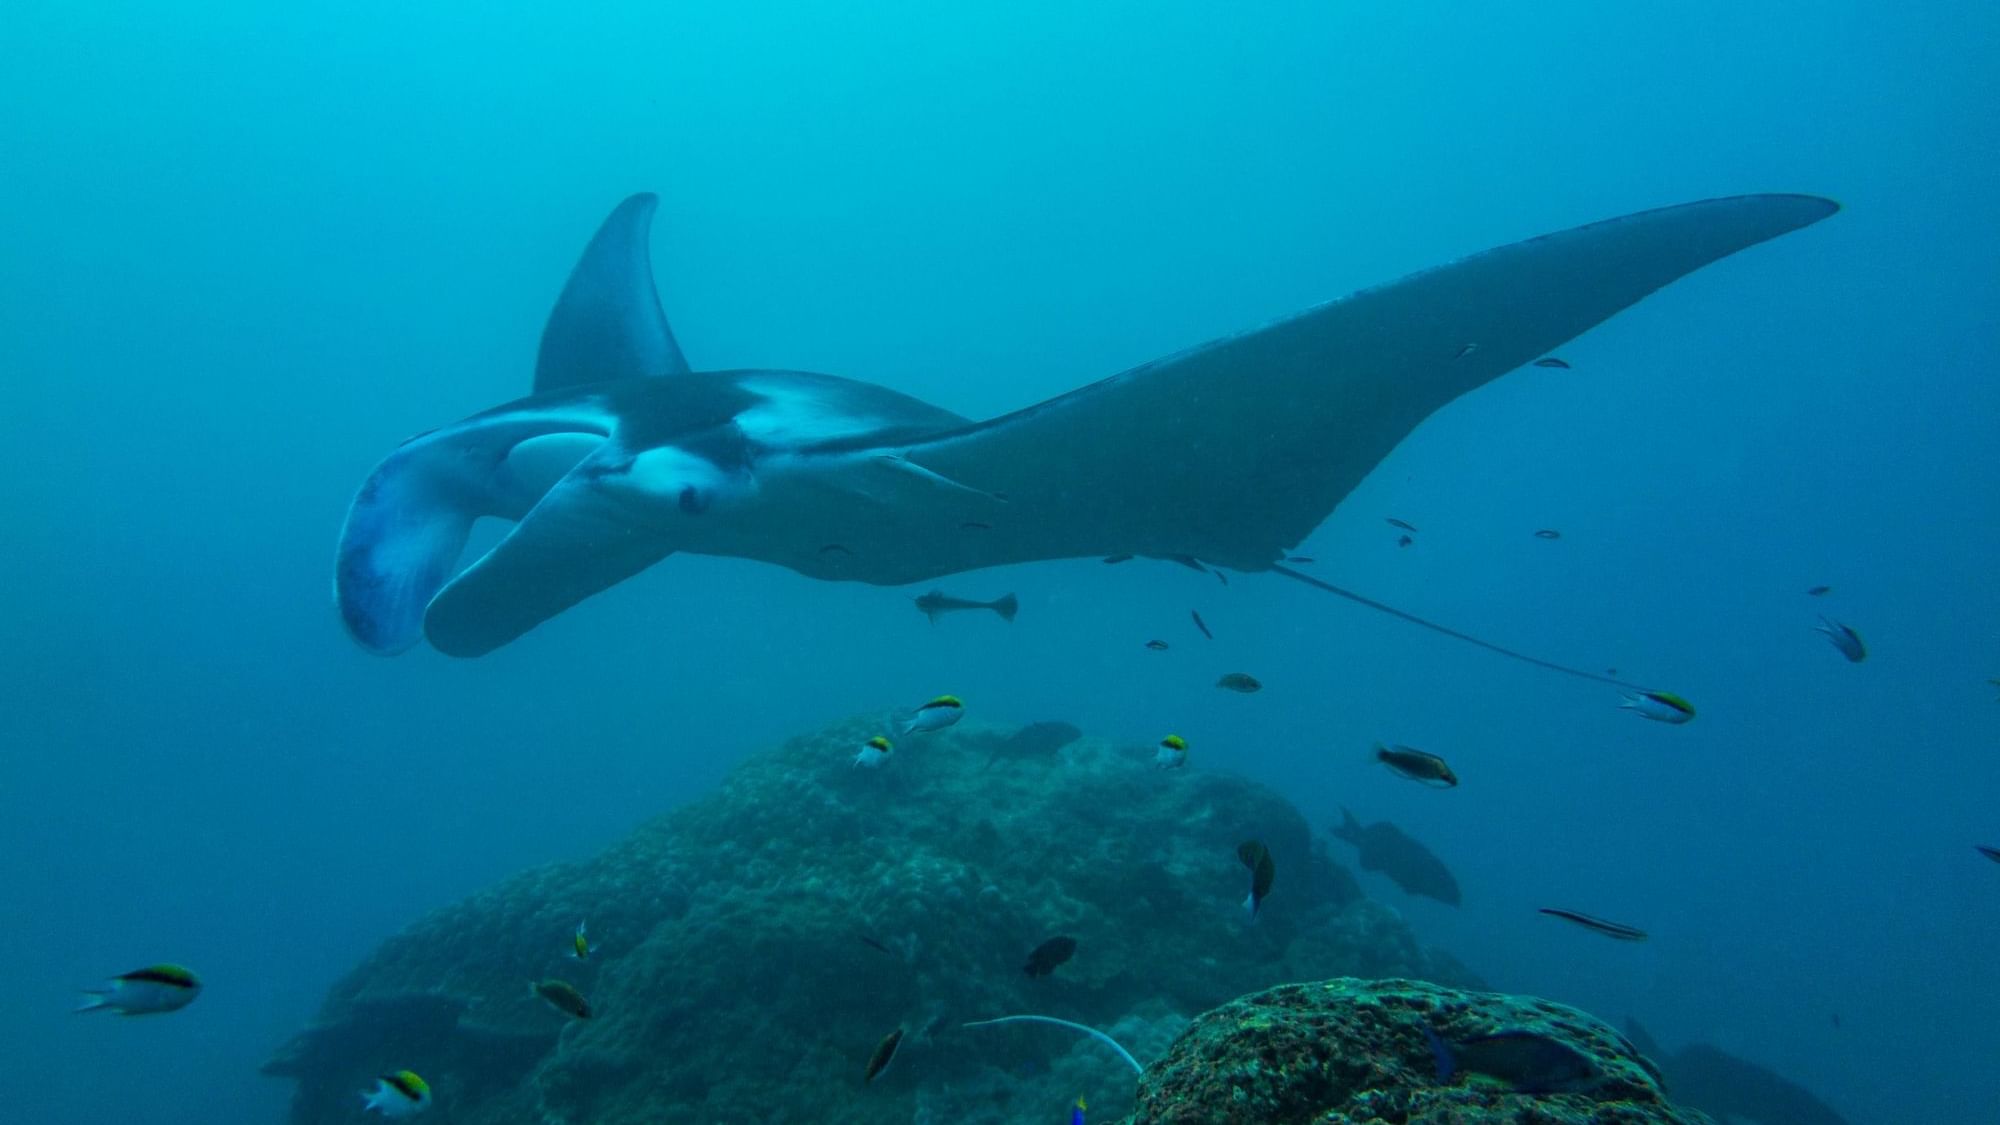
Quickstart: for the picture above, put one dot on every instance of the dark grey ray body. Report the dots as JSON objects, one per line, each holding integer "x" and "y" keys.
{"x": 1226, "y": 454}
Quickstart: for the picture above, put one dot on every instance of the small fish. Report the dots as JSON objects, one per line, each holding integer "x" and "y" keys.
{"x": 1404, "y": 541}
{"x": 1307, "y": 560}
{"x": 936, "y": 715}
{"x": 1157, "y": 645}
{"x": 1551, "y": 361}
{"x": 1819, "y": 591}
{"x": 397, "y": 1095}
{"x": 580, "y": 946}
{"x": 875, "y": 945}
{"x": 1609, "y": 929}
{"x": 1843, "y": 638}
{"x": 561, "y": 996}
{"x": 1466, "y": 351}
{"x": 145, "y": 992}
{"x": 1399, "y": 524}
{"x": 1221, "y": 577}
{"x": 1242, "y": 682}
{"x": 1990, "y": 853}
{"x": 1548, "y": 533}
{"x": 938, "y": 603}
{"x": 1110, "y": 560}
{"x": 1048, "y": 955}
{"x": 1660, "y": 706}
{"x": 1257, "y": 858}
{"x": 874, "y": 753}
{"x": 1200, "y": 624}
{"x": 1076, "y": 1111}
{"x": 884, "y": 1051}
{"x": 1172, "y": 754}
{"x": 1417, "y": 765}
{"x": 1529, "y": 1062}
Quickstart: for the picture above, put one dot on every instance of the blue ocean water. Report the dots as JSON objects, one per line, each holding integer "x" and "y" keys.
{"x": 244, "y": 250}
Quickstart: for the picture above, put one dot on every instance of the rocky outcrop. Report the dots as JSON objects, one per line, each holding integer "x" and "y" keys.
{"x": 755, "y": 945}
{"x": 1360, "y": 1052}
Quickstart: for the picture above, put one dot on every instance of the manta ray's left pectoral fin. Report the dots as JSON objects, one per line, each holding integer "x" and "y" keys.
{"x": 580, "y": 539}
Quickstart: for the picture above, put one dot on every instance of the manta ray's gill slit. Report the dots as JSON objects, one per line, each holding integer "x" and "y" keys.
{"x": 1434, "y": 627}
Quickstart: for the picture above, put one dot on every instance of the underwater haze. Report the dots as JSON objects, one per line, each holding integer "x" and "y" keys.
{"x": 247, "y": 249}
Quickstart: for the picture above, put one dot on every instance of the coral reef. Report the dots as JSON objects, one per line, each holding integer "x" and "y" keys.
{"x": 756, "y": 944}
{"x": 1356, "y": 1051}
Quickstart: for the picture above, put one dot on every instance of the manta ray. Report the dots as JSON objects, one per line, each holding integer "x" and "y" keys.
{"x": 1225, "y": 455}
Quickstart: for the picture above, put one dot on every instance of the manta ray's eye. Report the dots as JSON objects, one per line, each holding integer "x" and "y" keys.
{"x": 693, "y": 501}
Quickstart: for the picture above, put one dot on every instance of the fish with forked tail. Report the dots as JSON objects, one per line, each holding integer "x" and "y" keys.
{"x": 1263, "y": 872}
{"x": 1385, "y": 848}
{"x": 937, "y": 603}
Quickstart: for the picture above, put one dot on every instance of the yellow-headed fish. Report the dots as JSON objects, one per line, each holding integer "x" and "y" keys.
{"x": 1660, "y": 706}
{"x": 580, "y": 946}
{"x": 874, "y": 753}
{"x": 936, "y": 715}
{"x": 1172, "y": 754}
{"x": 143, "y": 992}
{"x": 397, "y": 1095}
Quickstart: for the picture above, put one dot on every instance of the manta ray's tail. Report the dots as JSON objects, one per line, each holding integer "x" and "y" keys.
{"x": 1434, "y": 627}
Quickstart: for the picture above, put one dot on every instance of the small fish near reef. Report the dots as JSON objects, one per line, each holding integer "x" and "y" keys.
{"x": 884, "y": 1052}
{"x": 1172, "y": 754}
{"x": 1157, "y": 645}
{"x": 1257, "y": 858}
{"x": 1990, "y": 853}
{"x": 1616, "y": 930}
{"x": 937, "y": 603}
{"x": 1552, "y": 361}
{"x": 1529, "y": 1062}
{"x": 1417, "y": 765}
{"x": 1843, "y": 639}
{"x": 1399, "y": 524}
{"x": 562, "y": 996}
{"x": 1404, "y": 541}
{"x": 1819, "y": 591}
{"x": 144, "y": 992}
{"x": 874, "y": 753}
{"x": 1659, "y": 706}
{"x": 401, "y": 1094}
{"x": 1243, "y": 683}
{"x": 1046, "y": 956}
{"x": 934, "y": 716}
{"x": 1548, "y": 533}
{"x": 1200, "y": 624}
{"x": 1388, "y": 849}
{"x": 1076, "y": 1111}
{"x": 580, "y": 945}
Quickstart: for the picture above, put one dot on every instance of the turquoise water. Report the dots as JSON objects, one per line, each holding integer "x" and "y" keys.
{"x": 246, "y": 251}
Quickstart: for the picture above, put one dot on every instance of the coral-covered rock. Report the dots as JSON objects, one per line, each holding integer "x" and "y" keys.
{"x": 1357, "y": 1052}
{"x": 755, "y": 945}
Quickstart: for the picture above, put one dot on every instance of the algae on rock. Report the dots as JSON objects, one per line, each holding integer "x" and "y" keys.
{"x": 739, "y": 976}
{"x": 1355, "y": 1052}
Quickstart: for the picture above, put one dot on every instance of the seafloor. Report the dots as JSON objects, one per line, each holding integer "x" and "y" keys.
{"x": 754, "y": 947}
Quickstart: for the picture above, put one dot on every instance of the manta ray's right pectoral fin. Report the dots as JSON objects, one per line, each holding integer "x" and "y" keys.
{"x": 581, "y": 538}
